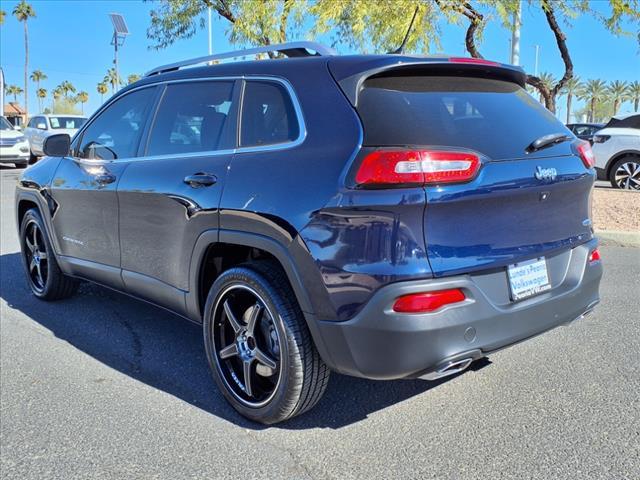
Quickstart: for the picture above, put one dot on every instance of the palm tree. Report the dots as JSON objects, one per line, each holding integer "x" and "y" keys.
{"x": 548, "y": 81}
{"x": 37, "y": 76}
{"x": 102, "y": 89}
{"x": 111, "y": 78}
{"x": 633, "y": 90}
{"x": 42, "y": 94}
{"x": 570, "y": 89}
{"x": 617, "y": 91}
{"x": 66, "y": 87}
{"x": 82, "y": 97}
{"x": 23, "y": 12}
{"x": 55, "y": 96}
{"x": 2, "y": 15}
{"x": 134, "y": 77}
{"x": 593, "y": 91}
{"x": 14, "y": 90}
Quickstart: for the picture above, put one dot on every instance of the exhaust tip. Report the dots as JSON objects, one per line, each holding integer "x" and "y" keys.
{"x": 448, "y": 369}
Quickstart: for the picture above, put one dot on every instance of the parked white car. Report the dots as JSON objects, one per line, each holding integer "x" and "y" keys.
{"x": 14, "y": 147}
{"x": 617, "y": 151}
{"x": 42, "y": 126}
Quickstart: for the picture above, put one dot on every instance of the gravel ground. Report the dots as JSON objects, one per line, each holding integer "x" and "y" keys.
{"x": 616, "y": 210}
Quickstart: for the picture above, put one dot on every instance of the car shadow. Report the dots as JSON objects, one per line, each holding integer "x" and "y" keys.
{"x": 166, "y": 352}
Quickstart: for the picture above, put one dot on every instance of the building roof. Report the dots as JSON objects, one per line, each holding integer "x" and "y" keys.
{"x": 13, "y": 109}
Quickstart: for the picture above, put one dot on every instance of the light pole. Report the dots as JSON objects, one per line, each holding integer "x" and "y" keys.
{"x": 535, "y": 68}
{"x": 120, "y": 31}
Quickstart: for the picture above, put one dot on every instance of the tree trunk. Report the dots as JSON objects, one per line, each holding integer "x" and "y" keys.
{"x": 616, "y": 105}
{"x": 26, "y": 69}
{"x": 568, "y": 107}
{"x": 636, "y": 104}
{"x": 592, "y": 113}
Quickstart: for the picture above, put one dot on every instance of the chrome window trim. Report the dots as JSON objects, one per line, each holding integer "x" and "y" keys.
{"x": 302, "y": 129}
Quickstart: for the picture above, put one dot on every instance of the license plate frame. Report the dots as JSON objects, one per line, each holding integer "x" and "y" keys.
{"x": 528, "y": 279}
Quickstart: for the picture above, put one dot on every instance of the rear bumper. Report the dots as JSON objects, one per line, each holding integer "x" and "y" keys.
{"x": 379, "y": 343}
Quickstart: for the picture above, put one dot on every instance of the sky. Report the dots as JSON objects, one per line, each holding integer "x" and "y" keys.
{"x": 70, "y": 40}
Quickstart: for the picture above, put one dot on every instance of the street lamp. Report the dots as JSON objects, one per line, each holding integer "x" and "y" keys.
{"x": 120, "y": 31}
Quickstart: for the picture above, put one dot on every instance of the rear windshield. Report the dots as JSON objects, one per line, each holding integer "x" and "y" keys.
{"x": 494, "y": 117}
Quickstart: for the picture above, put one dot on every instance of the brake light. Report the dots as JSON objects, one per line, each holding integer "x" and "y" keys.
{"x": 601, "y": 138}
{"x": 475, "y": 61}
{"x": 586, "y": 154}
{"x": 427, "y": 301}
{"x": 417, "y": 167}
{"x": 594, "y": 256}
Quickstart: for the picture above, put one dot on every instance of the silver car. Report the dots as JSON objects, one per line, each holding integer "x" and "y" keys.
{"x": 42, "y": 126}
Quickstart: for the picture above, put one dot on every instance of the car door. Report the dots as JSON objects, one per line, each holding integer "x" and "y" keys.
{"x": 84, "y": 188}
{"x": 169, "y": 196}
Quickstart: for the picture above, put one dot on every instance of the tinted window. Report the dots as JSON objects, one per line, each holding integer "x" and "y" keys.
{"x": 496, "y": 118}
{"x": 116, "y": 131}
{"x": 192, "y": 118}
{"x": 268, "y": 116}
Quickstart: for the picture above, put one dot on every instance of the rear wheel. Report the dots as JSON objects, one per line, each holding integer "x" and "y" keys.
{"x": 625, "y": 173}
{"x": 259, "y": 347}
{"x": 45, "y": 278}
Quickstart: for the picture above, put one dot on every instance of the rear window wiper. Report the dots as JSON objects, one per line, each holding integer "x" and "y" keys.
{"x": 546, "y": 141}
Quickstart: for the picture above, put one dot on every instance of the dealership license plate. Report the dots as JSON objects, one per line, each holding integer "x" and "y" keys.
{"x": 527, "y": 279}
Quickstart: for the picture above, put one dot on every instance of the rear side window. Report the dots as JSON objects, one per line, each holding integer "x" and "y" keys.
{"x": 115, "y": 133}
{"x": 494, "y": 117}
{"x": 268, "y": 115}
{"x": 193, "y": 117}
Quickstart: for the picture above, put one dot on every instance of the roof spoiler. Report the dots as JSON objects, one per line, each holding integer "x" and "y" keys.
{"x": 351, "y": 76}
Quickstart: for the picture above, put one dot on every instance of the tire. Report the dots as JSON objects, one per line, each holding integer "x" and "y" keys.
{"x": 625, "y": 173}
{"x": 46, "y": 280}
{"x": 20, "y": 165}
{"x": 292, "y": 377}
{"x": 32, "y": 158}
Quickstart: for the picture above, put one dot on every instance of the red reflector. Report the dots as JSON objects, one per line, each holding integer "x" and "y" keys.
{"x": 417, "y": 167}
{"x": 428, "y": 301}
{"x": 476, "y": 61}
{"x": 586, "y": 154}
{"x": 594, "y": 256}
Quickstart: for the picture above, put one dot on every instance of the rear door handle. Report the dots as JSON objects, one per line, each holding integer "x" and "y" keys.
{"x": 200, "y": 180}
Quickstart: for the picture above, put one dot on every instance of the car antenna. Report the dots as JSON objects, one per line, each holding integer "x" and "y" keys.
{"x": 406, "y": 37}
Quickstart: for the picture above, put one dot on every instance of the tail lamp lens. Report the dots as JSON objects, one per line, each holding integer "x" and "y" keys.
{"x": 417, "y": 167}
{"x": 428, "y": 301}
{"x": 594, "y": 256}
{"x": 601, "y": 138}
{"x": 586, "y": 154}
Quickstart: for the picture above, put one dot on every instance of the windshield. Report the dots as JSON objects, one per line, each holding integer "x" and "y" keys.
{"x": 66, "y": 122}
{"x": 494, "y": 117}
{"x": 4, "y": 124}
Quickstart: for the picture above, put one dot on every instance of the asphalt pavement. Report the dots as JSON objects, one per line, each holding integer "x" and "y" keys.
{"x": 103, "y": 386}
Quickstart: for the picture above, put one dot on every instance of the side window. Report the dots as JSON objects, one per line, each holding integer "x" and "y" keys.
{"x": 268, "y": 116}
{"x": 32, "y": 123}
{"x": 192, "y": 118}
{"x": 116, "y": 131}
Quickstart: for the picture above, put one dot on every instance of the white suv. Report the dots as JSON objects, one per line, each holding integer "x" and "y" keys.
{"x": 617, "y": 151}
{"x": 42, "y": 126}
{"x": 14, "y": 147}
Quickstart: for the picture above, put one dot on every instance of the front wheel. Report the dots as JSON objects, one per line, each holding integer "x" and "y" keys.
{"x": 625, "y": 173}
{"x": 259, "y": 347}
{"x": 32, "y": 158}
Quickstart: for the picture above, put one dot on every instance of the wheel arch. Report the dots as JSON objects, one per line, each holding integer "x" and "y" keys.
{"x": 618, "y": 156}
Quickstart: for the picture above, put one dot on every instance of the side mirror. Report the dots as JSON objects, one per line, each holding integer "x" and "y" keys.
{"x": 57, "y": 145}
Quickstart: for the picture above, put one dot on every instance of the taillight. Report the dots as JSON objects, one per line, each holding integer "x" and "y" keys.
{"x": 586, "y": 154}
{"x": 594, "y": 256}
{"x": 474, "y": 61}
{"x": 601, "y": 138}
{"x": 427, "y": 301}
{"x": 417, "y": 167}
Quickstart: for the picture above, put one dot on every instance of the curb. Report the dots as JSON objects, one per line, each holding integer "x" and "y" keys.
{"x": 618, "y": 238}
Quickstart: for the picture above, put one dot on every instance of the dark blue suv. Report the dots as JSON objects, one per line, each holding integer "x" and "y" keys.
{"x": 383, "y": 216}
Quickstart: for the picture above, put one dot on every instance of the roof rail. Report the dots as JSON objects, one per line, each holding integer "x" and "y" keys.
{"x": 290, "y": 49}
